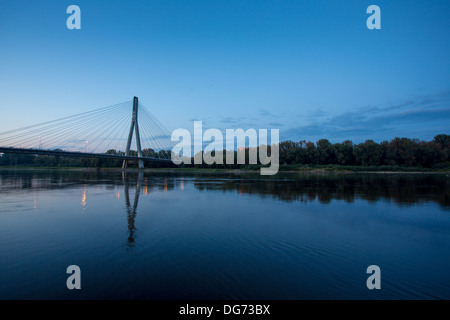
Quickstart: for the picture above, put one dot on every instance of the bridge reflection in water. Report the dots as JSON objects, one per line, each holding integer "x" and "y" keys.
{"x": 131, "y": 208}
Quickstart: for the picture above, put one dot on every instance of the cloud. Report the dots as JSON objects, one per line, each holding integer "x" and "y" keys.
{"x": 275, "y": 124}
{"x": 229, "y": 120}
{"x": 265, "y": 113}
{"x": 317, "y": 113}
{"x": 424, "y": 116}
{"x": 239, "y": 121}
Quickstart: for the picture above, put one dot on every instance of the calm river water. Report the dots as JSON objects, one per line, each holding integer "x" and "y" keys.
{"x": 169, "y": 235}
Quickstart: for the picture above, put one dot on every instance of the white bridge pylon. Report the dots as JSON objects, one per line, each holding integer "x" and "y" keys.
{"x": 135, "y": 126}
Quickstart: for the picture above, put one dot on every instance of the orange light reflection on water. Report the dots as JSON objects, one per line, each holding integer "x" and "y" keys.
{"x": 83, "y": 197}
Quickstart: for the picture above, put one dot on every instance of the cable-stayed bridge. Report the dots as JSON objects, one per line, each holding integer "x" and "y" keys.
{"x": 125, "y": 131}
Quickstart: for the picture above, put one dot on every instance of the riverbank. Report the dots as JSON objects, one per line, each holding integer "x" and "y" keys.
{"x": 304, "y": 169}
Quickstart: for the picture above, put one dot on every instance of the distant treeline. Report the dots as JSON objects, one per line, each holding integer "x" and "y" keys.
{"x": 399, "y": 152}
{"x": 13, "y": 159}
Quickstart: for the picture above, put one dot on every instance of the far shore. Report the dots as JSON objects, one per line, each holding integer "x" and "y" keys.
{"x": 233, "y": 171}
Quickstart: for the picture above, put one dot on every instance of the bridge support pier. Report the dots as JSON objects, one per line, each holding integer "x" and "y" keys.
{"x": 134, "y": 127}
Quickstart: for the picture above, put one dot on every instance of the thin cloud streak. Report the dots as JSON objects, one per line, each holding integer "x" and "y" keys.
{"x": 423, "y": 114}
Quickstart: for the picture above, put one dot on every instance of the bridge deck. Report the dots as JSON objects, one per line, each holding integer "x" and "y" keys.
{"x": 77, "y": 154}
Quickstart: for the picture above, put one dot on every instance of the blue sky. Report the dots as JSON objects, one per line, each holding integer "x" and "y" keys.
{"x": 309, "y": 68}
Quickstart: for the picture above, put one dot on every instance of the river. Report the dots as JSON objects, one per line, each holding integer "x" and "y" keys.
{"x": 213, "y": 235}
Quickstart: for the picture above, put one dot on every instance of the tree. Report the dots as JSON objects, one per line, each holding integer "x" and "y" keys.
{"x": 443, "y": 140}
{"x": 368, "y": 153}
{"x": 325, "y": 154}
{"x": 401, "y": 151}
{"x": 344, "y": 153}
